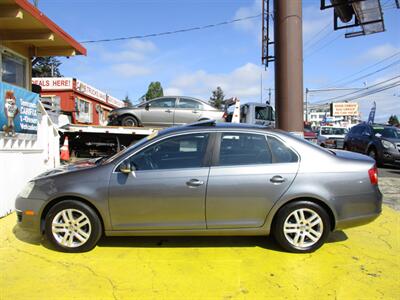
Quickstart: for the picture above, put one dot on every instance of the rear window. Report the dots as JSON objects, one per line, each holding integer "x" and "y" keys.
{"x": 243, "y": 149}
{"x": 280, "y": 152}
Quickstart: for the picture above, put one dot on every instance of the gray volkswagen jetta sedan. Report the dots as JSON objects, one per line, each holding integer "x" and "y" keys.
{"x": 205, "y": 179}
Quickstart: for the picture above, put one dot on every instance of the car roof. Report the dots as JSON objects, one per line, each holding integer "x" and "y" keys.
{"x": 172, "y": 96}
{"x": 212, "y": 125}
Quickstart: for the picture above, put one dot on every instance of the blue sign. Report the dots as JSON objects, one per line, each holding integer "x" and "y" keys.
{"x": 18, "y": 111}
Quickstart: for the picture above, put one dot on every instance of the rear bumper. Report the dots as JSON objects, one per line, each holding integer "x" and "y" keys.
{"x": 357, "y": 210}
{"x": 113, "y": 120}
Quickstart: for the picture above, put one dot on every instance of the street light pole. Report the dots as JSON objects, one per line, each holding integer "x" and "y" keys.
{"x": 288, "y": 43}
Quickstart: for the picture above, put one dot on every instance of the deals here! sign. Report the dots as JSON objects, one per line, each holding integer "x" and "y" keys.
{"x": 344, "y": 109}
{"x": 18, "y": 111}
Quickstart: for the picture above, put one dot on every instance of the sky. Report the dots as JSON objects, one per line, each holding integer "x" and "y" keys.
{"x": 195, "y": 63}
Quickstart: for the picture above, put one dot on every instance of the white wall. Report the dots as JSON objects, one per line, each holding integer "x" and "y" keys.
{"x": 23, "y": 159}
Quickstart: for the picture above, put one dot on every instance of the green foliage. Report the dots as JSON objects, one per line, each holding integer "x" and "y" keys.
{"x": 217, "y": 98}
{"x": 46, "y": 67}
{"x": 393, "y": 120}
{"x": 154, "y": 90}
{"x": 127, "y": 101}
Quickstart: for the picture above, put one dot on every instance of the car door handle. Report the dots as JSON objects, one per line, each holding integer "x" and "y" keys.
{"x": 194, "y": 183}
{"x": 277, "y": 179}
{"x": 195, "y": 112}
{"x": 168, "y": 111}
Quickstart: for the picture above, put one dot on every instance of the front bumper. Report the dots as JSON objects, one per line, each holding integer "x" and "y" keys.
{"x": 26, "y": 221}
{"x": 113, "y": 120}
{"x": 391, "y": 157}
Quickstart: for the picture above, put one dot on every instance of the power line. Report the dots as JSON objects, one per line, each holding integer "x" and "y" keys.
{"x": 358, "y": 91}
{"x": 378, "y": 90}
{"x": 173, "y": 32}
{"x": 362, "y": 70}
{"x": 372, "y": 73}
{"x": 317, "y": 34}
{"x": 322, "y": 47}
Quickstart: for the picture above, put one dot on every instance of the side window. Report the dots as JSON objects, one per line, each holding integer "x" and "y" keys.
{"x": 163, "y": 103}
{"x": 186, "y": 151}
{"x": 243, "y": 149}
{"x": 189, "y": 103}
{"x": 281, "y": 153}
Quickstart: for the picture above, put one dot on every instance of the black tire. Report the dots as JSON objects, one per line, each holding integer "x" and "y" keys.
{"x": 285, "y": 213}
{"x": 77, "y": 207}
{"x": 129, "y": 121}
{"x": 345, "y": 147}
{"x": 373, "y": 154}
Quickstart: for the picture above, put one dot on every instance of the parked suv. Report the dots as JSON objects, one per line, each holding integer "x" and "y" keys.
{"x": 381, "y": 142}
{"x": 165, "y": 111}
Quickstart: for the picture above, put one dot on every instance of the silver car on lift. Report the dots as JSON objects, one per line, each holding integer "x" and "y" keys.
{"x": 206, "y": 179}
{"x": 164, "y": 112}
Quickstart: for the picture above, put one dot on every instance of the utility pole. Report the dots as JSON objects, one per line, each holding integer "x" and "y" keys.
{"x": 288, "y": 41}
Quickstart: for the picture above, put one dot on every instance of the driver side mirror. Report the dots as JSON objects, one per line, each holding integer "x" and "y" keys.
{"x": 126, "y": 167}
{"x": 147, "y": 106}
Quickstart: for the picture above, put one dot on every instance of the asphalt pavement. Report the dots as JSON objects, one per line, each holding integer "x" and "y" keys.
{"x": 389, "y": 171}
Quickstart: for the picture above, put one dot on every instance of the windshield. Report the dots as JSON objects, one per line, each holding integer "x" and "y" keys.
{"x": 388, "y": 132}
{"x": 134, "y": 146}
{"x": 264, "y": 113}
{"x": 333, "y": 131}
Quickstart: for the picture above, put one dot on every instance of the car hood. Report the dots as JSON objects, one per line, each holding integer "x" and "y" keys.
{"x": 353, "y": 155}
{"x": 78, "y": 166}
{"x": 392, "y": 140}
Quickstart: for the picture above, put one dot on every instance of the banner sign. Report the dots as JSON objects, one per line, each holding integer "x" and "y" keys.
{"x": 344, "y": 109}
{"x": 53, "y": 83}
{"x": 88, "y": 90}
{"x": 114, "y": 101}
{"x": 18, "y": 111}
{"x": 371, "y": 116}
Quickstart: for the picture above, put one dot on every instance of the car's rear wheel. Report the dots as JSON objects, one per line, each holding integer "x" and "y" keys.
{"x": 301, "y": 226}
{"x": 129, "y": 121}
{"x": 72, "y": 226}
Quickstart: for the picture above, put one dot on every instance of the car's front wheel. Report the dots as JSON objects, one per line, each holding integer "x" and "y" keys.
{"x": 129, "y": 121}
{"x": 72, "y": 226}
{"x": 301, "y": 226}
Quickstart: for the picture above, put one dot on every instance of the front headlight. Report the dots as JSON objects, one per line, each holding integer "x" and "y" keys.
{"x": 26, "y": 191}
{"x": 387, "y": 145}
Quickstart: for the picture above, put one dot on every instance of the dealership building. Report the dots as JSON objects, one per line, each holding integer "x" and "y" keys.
{"x": 76, "y": 102}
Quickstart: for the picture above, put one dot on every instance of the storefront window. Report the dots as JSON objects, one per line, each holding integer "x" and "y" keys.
{"x": 83, "y": 111}
{"x": 13, "y": 69}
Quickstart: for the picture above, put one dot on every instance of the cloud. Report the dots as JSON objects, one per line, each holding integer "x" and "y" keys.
{"x": 243, "y": 82}
{"x": 249, "y": 25}
{"x": 130, "y": 70}
{"x": 172, "y": 92}
{"x": 381, "y": 52}
{"x": 142, "y": 46}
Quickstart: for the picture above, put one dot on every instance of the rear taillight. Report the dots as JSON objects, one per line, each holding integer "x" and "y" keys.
{"x": 373, "y": 175}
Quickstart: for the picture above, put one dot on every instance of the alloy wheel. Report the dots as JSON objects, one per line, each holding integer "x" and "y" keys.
{"x": 71, "y": 228}
{"x": 303, "y": 228}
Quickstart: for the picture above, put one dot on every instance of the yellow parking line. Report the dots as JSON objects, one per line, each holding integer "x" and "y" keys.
{"x": 359, "y": 263}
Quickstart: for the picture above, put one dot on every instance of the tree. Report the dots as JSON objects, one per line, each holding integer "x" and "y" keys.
{"x": 127, "y": 101}
{"x": 393, "y": 120}
{"x": 217, "y": 98}
{"x": 154, "y": 90}
{"x": 46, "y": 67}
